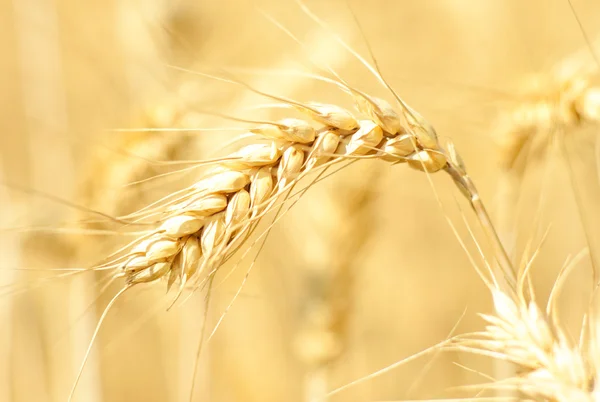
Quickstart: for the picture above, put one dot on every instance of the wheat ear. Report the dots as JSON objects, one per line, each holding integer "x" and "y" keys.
{"x": 194, "y": 230}
{"x": 199, "y": 226}
{"x": 554, "y": 105}
{"x": 550, "y": 365}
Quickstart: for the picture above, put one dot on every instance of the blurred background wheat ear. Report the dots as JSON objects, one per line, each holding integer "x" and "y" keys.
{"x": 362, "y": 272}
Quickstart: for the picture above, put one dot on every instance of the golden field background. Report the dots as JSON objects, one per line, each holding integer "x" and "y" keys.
{"x": 73, "y": 71}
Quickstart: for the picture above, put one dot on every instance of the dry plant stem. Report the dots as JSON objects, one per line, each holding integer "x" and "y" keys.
{"x": 46, "y": 106}
{"x": 335, "y": 234}
{"x": 467, "y": 187}
{"x": 508, "y": 190}
{"x": 316, "y": 385}
{"x": 10, "y": 250}
{"x": 142, "y": 47}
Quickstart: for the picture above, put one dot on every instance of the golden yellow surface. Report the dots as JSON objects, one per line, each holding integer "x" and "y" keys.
{"x": 72, "y": 71}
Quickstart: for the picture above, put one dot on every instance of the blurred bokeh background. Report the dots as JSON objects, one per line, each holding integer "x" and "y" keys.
{"x": 364, "y": 271}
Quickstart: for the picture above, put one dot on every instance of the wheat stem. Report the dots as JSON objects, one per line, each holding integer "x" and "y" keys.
{"x": 467, "y": 187}
{"x": 10, "y": 250}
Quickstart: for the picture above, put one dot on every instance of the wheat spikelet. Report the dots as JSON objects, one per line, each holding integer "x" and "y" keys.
{"x": 553, "y": 107}
{"x": 132, "y": 157}
{"x": 550, "y": 365}
{"x": 547, "y": 363}
{"x": 560, "y": 102}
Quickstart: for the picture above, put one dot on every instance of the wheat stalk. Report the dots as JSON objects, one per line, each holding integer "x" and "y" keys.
{"x": 10, "y": 246}
{"x": 335, "y": 234}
